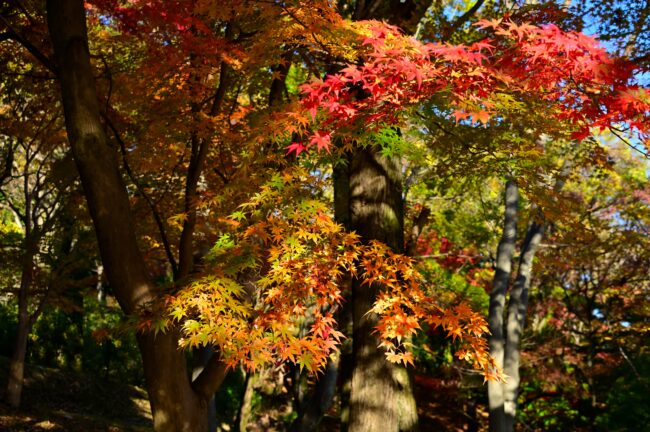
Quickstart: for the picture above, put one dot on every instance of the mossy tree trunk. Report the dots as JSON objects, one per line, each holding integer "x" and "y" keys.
{"x": 381, "y": 394}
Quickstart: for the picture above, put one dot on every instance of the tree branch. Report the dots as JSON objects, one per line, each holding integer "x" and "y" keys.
{"x": 627, "y": 143}
{"x": 197, "y": 160}
{"x": 14, "y": 35}
{"x": 418, "y": 225}
{"x": 150, "y": 203}
{"x": 210, "y": 379}
{"x": 13, "y": 207}
{"x": 9, "y": 163}
{"x": 462, "y": 20}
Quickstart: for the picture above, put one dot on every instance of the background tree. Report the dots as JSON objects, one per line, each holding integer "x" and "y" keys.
{"x": 35, "y": 187}
{"x": 591, "y": 266}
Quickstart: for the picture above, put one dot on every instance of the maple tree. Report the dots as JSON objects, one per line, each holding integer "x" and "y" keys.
{"x": 401, "y": 72}
{"x": 576, "y": 78}
{"x": 225, "y": 132}
{"x": 307, "y": 253}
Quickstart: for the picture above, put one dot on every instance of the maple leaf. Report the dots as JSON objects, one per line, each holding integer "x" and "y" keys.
{"x": 322, "y": 140}
{"x": 405, "y": 358}
{"x": 480, "y": 116}
{"x": 581, "y": 134}
{"x": 485, "y": 23}
{"x": 459, "y": 115}
{"x": 297, "y": 147}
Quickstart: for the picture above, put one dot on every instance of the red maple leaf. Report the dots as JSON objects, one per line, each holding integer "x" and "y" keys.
{"x": 322, "y": 141}
{"x": 298, "y": 147}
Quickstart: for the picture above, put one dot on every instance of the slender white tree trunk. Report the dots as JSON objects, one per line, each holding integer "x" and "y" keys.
{"x": 517, "y": 306}
{"x": 505, "y": 252}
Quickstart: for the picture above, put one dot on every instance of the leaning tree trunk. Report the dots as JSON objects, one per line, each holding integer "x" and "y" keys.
{"x": 14, "y": 387}
{"x": 381, "y": 396}
{"x": 517, "y": 306}
{"x": 505, "y": 252}
{"x": 177, "y": 404}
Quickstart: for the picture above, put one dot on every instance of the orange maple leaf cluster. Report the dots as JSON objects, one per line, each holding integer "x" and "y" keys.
{"x": 276, "y": 286}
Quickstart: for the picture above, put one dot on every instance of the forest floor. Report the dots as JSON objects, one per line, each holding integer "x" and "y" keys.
{"x": 55, "y": 400}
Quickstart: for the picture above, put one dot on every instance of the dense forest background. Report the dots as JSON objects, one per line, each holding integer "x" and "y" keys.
{"x": 324, "y": 215}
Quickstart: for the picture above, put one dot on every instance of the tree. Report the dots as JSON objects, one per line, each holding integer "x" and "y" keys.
{"x": 585, "y": 273}
{"x": 505, "y": 254}
{"x": 125, "y": 267}
{"x": 506, "y": 350}
{"x": 347, "y": 108}
{"x": 184, "y": 408}
{"x": 35, "y": 188}
{"x": 216, "y": 140}
{"x": 627, "y": 37}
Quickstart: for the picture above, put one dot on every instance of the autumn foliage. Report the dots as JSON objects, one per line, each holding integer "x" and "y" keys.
{"x": 244, "y": 142}
{"x": 304, "y": 257}
{"x": 299, "y": 255}
{"x": 515, "y": 68}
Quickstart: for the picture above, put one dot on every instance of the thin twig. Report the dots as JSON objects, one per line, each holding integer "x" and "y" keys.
{"x": 629, "y": 144}
{"x": 147, "y": 198}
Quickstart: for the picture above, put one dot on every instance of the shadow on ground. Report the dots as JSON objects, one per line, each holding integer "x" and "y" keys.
{"x": 55, "y": 400}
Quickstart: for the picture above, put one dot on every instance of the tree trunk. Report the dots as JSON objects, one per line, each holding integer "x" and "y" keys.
{"x": 375, "y": 394}
{"x": 177, "y": 404}
{"x": 381, "y": 396}
{"x": 174, "y": 404}
{"x": 344, "y": 380}
{"x": 17, "y": 365}
{"x": 517, "y": 306}
{"x": 516, "y": 319}
{"x": 341, "y": 181}
{"x": 505, "y": 252}
{"x": 246, "y": 407}
{"x": 201, "y": 357}
{"x": 321, "y": 400}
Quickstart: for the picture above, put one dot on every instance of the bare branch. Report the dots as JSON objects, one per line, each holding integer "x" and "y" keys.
{"x": 461, "y": 20}
{"x": 629, "y": 144}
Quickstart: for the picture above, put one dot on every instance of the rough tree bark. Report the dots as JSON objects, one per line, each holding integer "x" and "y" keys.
{"x": 376, "y": 395}
{"x": 381, "y": 396}
{"x": 177, "y": 403}
{"x": 505, "y": 252}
